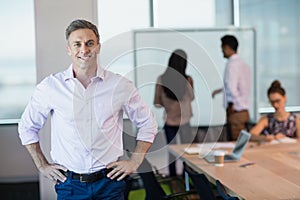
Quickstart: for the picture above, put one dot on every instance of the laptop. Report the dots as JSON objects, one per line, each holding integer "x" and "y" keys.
{"x": 237, "y": 151}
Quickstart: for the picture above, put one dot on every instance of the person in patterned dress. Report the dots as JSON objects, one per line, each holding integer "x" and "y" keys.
{"x": 279, "y": 124}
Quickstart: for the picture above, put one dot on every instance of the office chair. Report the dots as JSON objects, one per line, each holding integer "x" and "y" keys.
{"x": 200, "y": 184}
{"x": 222, "y": 192}
{"x": 154, "y": 184}
{"x": 203, "y": 186}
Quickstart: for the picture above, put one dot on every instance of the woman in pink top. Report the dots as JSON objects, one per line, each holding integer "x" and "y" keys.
{"x": 174, "y": 92}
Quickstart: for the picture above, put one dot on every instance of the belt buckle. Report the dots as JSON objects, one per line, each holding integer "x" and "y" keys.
{"x": 81, "y": 179}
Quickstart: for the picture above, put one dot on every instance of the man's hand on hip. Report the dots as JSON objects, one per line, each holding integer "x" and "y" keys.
{"x": 51, "y": 171}
{"x": 121, "y": 169}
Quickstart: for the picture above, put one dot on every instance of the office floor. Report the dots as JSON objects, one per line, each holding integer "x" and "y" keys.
{"x": 19, "y": 191}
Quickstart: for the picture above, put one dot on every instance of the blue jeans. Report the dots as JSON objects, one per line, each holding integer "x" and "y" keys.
{"x": 104, "y": 189}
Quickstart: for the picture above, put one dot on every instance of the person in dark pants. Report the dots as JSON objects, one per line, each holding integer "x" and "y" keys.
{"x": 237, "y": 88}
{"x": 174, "y": 92}
{"x": 86, "y": 105}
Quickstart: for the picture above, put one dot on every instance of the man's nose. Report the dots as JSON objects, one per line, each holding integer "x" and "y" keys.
{"x": 84, "y": 49}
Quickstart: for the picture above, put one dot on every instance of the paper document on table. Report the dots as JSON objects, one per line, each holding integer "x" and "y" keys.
{"x": 284, "y": 140}
{"x": 192, "y": 150}
{"x": 217, "y": 145}
{"x": 209, "y": 145}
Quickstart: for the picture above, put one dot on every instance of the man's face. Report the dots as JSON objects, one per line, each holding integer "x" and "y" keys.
{"x": 83, "y": 47}
{"x": 226, "y": 51}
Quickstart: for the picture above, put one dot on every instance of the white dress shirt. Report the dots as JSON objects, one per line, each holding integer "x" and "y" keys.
{"x": 237, "y": 83}
{"x": 86, "y": 124}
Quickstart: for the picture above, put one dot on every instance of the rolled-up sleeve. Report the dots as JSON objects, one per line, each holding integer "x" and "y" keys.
{"x": 141, "y": 115}
{"x": 35, "y": 114}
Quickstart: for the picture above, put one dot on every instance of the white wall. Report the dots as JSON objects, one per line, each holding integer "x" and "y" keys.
{"x": 51, "y": 20}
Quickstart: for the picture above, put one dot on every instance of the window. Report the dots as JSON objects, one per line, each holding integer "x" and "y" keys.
{"x": 116, "y": 25}
{"x": 17, "y": 58}
{"x": 184, "y": 14}
{"x": 116, "y": 20}
{"x": 278, "y": 46}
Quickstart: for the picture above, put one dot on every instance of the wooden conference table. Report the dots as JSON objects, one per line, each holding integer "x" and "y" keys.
{"x": 275, "y": 174}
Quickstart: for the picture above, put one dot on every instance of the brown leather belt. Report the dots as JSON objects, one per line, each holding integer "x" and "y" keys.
{"x": 87, "y": 178}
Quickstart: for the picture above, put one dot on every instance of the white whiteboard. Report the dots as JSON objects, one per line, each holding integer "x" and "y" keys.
{"x": 206, "y": 64}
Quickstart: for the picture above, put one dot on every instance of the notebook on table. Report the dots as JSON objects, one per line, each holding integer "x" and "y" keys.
{"x": 237, "y": 151}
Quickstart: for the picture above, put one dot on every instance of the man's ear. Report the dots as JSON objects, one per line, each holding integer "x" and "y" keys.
{"x": 69, "y": 50}
{"x": 98, "y": 48}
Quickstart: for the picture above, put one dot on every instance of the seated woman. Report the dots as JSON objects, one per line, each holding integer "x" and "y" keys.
{"x": 279, "y": 124}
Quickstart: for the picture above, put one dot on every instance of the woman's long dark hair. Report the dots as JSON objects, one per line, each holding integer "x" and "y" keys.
{"x": 174, "y": 80}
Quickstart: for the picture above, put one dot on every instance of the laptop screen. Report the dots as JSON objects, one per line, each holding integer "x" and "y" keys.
{"x": 241, "y": 144}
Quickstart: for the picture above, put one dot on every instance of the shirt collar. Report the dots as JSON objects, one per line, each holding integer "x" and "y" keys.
{"x": 68, "y": 73}
{"x": 234, "y": 56}
{"x": 100, "y": 73}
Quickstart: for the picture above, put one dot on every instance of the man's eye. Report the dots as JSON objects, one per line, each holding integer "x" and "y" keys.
{"x": 76, "y": 45}
{"x": 89, "y": 44}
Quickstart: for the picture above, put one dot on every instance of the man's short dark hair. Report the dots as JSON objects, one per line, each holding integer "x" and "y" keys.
{"x": 81, "y": 24}
{"x": 231, "y": 41}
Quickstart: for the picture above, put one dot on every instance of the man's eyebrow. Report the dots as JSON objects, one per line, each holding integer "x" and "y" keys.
{"x": 91, "y": 40}
{"x": 75, "y": 42}
{"x": 78, "y": 42}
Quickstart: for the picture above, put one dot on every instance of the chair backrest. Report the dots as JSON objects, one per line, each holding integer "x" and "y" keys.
{"x": 151, "y": 185}
{"x": 201, "y": 184}
{"x": 222, "y": 192}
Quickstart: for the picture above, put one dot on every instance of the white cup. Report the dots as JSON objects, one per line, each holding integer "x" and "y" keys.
{"x": 219, "y": 158}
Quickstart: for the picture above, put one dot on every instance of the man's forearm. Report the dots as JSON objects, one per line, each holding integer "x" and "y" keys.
{"x": 217, "y": 91}
{"x": 37, "y": 155}
{"x": 140, "y": 152}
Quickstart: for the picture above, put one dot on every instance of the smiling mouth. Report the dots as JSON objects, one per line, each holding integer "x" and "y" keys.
{"x": 84, "y": 58}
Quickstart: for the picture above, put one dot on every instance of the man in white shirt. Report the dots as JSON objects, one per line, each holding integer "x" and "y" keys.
{"x": 86, "y": 105}
{"x": 237, "y": 88}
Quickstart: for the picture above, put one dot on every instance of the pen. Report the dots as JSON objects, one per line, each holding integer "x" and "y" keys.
{"x": 247, "y": 164}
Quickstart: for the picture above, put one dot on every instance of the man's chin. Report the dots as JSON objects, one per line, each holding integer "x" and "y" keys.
{"x": 85, "y": 64}
{"x": 81, "y": 65}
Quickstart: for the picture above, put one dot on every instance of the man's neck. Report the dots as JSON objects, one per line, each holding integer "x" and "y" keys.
{"x": 231, "y": 54}
{"x": 85, "y": 75}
